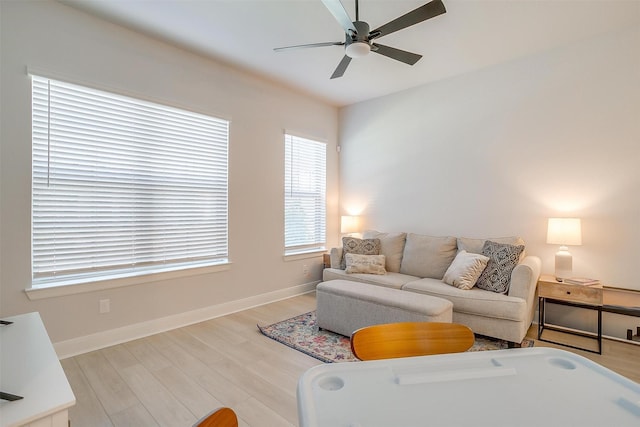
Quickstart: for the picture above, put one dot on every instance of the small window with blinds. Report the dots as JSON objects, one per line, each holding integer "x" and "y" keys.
{"x": 305, "y": 195}
{"x": 123, "y": 187}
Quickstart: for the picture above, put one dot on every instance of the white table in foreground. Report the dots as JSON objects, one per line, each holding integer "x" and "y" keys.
{"x": 30, "y": 368}
{"x": 523, "y": 387}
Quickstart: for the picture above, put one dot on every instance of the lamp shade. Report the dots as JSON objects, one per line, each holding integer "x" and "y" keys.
{"x": 349, "y": 224}
{"x": 564, "y": 231}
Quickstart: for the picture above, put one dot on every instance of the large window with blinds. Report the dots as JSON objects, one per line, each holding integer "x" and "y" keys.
{"x": 305, "y": 195}
{"x": 123, "y": 187}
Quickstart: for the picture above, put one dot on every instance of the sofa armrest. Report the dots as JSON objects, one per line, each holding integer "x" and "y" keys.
{"x": 336, "y": 257}
{"x": 524, "y": 279}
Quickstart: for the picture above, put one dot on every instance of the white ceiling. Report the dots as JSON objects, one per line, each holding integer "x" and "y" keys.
{"x": 472, "y": 34}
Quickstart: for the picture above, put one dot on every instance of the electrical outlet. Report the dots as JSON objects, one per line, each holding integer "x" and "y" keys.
{"x": 105, "y": 306}
{"x": 305, "y": 270}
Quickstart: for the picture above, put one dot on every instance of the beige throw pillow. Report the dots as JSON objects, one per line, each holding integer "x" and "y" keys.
{"x": 465, "y": 270}
{"x": 391, "y": 246}
{"x": 368, "y": 264}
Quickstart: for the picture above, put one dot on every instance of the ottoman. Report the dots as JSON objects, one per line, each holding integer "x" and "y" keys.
{"x": 345, "y": 306}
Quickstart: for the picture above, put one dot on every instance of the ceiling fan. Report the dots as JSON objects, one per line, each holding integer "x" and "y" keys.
{"x": 359, "y": 41}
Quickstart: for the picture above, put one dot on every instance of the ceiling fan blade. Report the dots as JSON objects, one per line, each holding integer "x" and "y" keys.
{"x": 304, "y": 46}
{"x": 427, "y": 11}
{"x": 342, "y": 67}
{"x": 397, "y": 54}
{"x": 338, "y": 11}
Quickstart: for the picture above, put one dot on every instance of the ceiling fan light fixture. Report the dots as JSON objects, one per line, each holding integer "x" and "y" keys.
{"x": 358, "y": 49}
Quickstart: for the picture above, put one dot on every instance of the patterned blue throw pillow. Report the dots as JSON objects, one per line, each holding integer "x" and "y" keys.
{"x": 503, "y": 258}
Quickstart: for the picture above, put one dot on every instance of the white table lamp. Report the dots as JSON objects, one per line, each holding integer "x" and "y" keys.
{"x": 349, "y": 224}
{"x": 564, "y": 232}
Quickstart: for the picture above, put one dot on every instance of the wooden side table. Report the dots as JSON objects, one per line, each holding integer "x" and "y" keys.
{"x": 587, "y": 297}
{"x": 326, "y": 260}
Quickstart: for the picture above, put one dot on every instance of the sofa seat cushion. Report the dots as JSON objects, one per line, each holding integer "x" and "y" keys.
{"x": 389, "y": 280}
{"x": 472, "y": 301}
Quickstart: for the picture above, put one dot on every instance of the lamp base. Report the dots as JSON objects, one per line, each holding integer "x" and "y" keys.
{"x": 564, "y": 268}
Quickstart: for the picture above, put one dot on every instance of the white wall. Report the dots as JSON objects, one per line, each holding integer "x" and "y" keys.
{"x": 61, "y": 40}
{"x": 496, "y": 152}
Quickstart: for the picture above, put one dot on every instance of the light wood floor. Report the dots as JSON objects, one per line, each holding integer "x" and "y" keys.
{"x": 174, "y": 378}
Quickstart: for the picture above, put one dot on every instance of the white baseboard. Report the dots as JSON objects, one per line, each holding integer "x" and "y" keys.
{"x": 84, "y": 344}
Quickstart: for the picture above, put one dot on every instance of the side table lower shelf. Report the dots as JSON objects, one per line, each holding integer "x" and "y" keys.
{"x": 542, "y": 325}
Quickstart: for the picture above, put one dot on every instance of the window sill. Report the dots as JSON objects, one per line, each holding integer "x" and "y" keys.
{"x": 294, "y": 256}
{"x": 116, "y": 281}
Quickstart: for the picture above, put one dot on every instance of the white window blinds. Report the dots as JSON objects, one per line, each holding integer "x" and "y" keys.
{"x": 121, "y": 186}
{"x": 305, "y": 195}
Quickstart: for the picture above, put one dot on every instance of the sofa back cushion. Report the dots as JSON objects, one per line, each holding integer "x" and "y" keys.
{"x": 474, "y": 246}
{"x": 391, "y": 246}
{"x": 427, "y": 256}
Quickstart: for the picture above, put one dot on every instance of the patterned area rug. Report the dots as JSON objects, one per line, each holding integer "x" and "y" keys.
{"x": 302, "y": 334}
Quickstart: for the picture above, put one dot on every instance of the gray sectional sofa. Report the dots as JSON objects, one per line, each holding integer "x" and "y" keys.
{"x": 418, "y": 263}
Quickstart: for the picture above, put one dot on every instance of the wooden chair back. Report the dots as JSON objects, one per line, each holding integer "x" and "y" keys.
{"x": 407, "y": 339}
{"x": 222, "y": 417}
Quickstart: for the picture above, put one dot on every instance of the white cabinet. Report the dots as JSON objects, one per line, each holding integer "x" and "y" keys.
{"x": 29, "y": 367}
